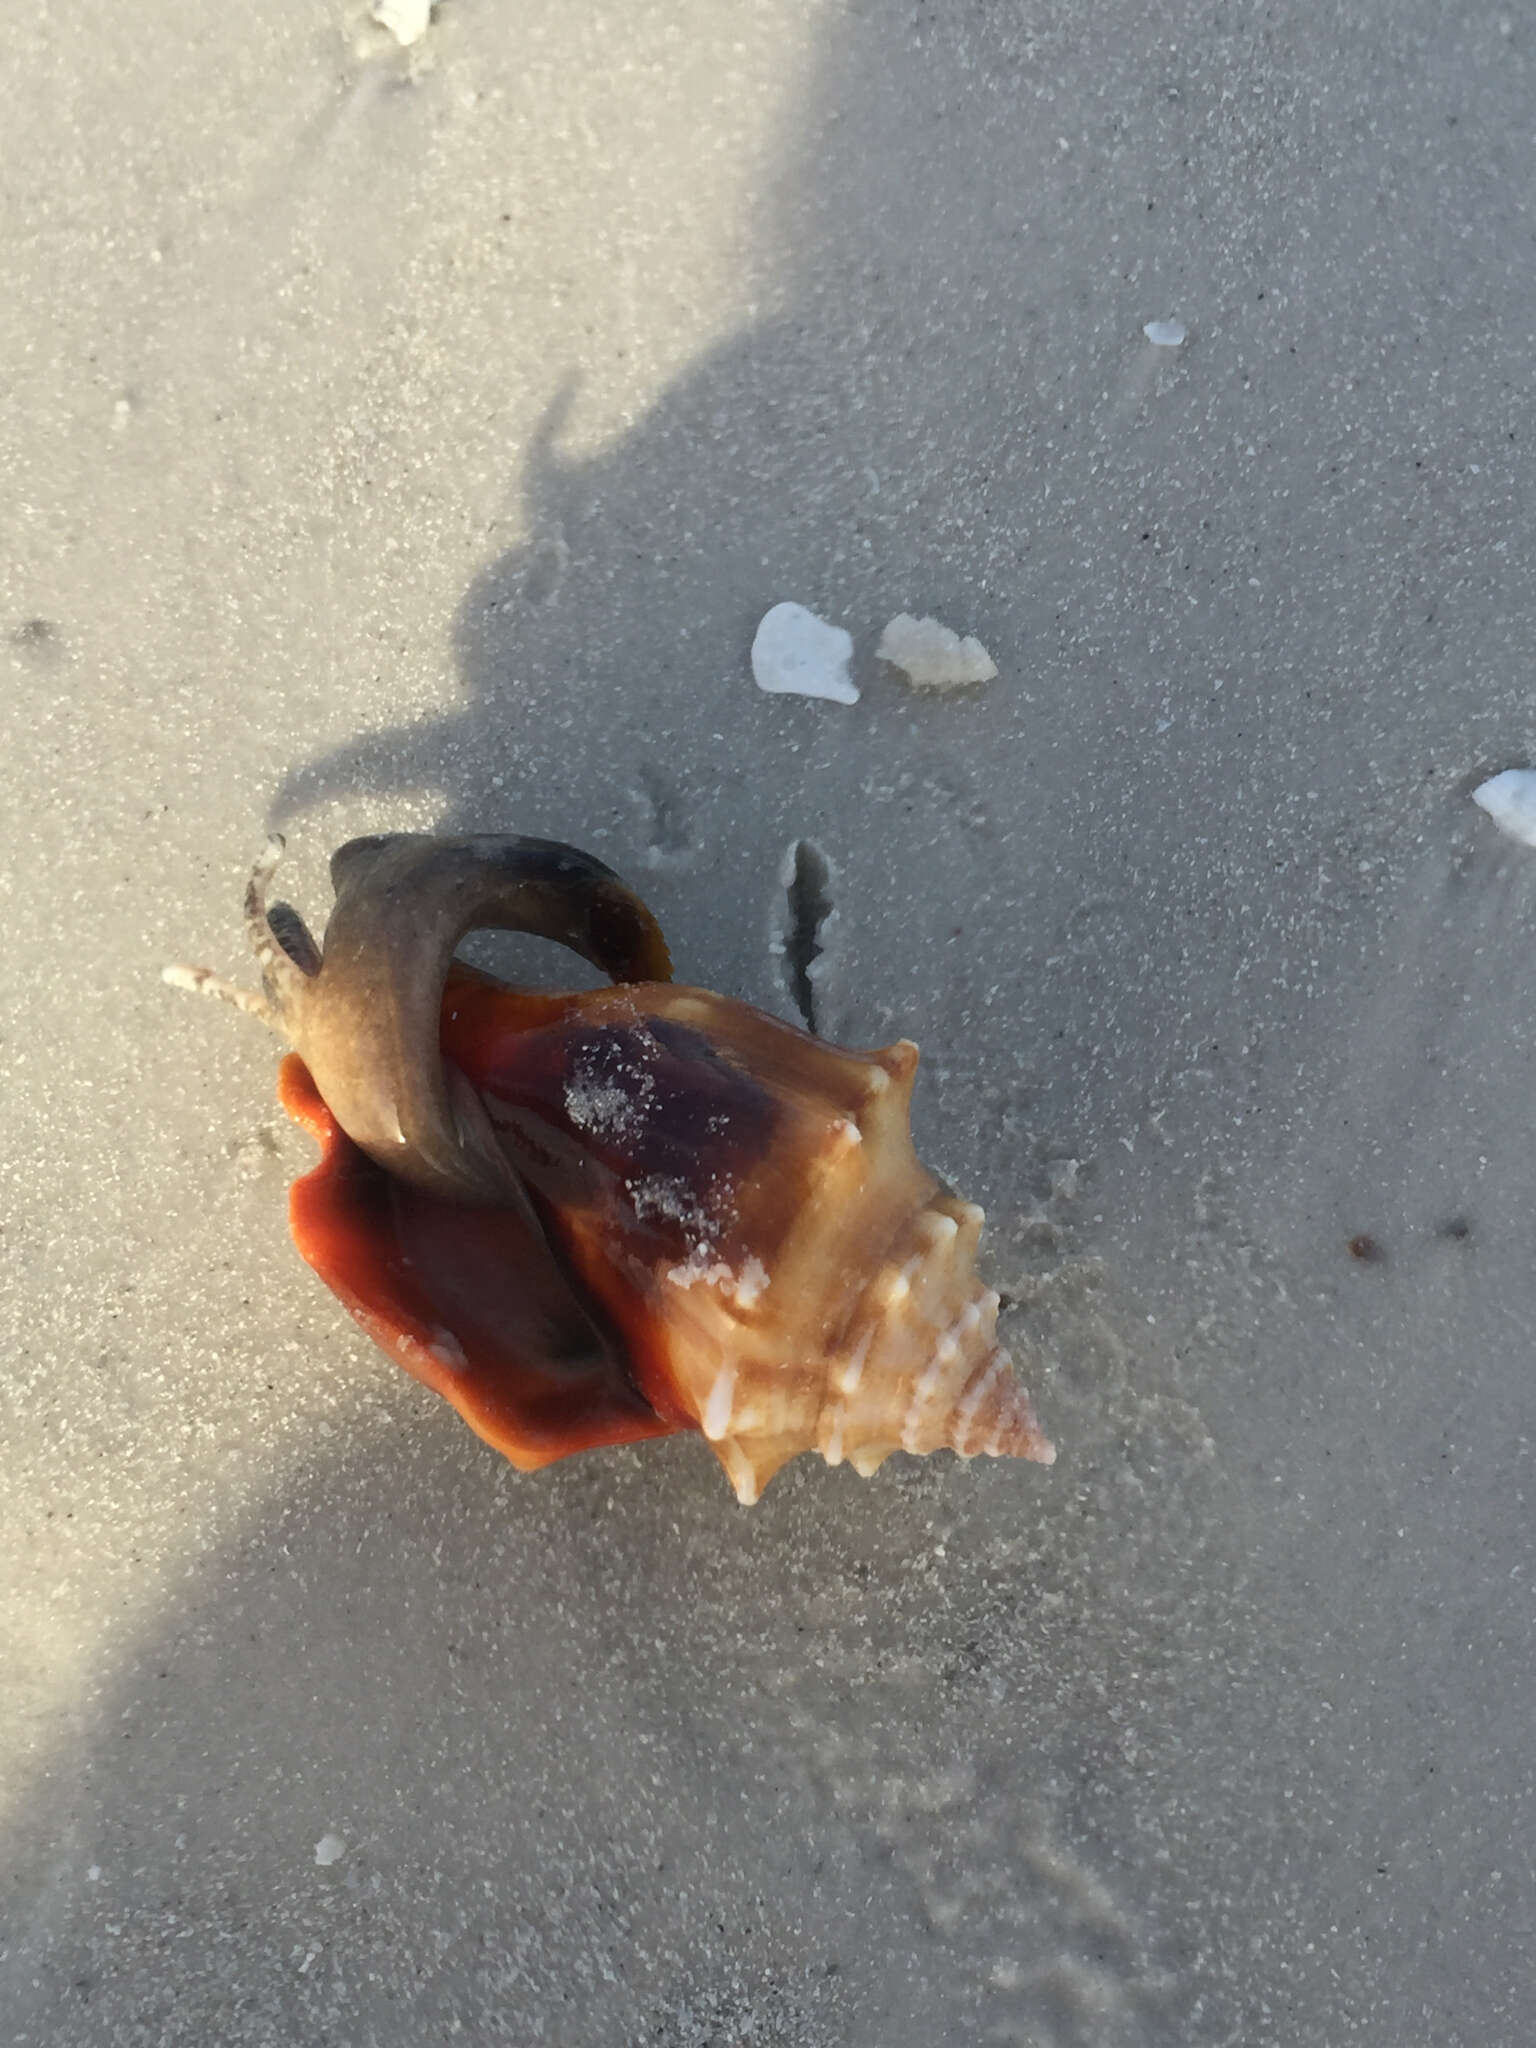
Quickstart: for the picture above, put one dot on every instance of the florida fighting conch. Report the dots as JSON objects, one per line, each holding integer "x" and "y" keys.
{"x": 591, "y": 1218}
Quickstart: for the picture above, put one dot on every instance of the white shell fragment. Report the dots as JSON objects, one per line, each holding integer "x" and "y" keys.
{"x": 796, "y": 654}
{"x": 406, "y": 20}
{"x": 1510, "y": 800}
{"x": 1166, "y": 333}
{"x": 329, "y": 1849}
{"x": 931, "y": 657}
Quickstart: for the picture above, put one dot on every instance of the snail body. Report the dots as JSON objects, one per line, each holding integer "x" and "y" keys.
{"x": 596, "y": 1217}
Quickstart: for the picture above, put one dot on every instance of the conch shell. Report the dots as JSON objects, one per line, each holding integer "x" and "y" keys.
{"x": 593, "y": 1218}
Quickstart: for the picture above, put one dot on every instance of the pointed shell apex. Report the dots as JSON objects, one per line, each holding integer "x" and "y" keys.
{"x": 899, "y": 1059}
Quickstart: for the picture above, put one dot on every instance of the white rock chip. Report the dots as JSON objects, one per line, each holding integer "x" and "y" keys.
{"x": 329, "y": 1849}
{"x": 1510, "y": 800}
{"x": 1166, "y": 333}
{"x": 931, "y": 657}
{"x": 796, "y": 654}
{"x": 406, "y": 20}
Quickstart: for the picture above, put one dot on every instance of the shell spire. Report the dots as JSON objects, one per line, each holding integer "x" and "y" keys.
{"x": 915, "y": 1367}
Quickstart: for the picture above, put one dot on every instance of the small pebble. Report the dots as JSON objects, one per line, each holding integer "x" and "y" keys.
{"x": 329, "y": 1849}
{"x": 1166, "y": 333}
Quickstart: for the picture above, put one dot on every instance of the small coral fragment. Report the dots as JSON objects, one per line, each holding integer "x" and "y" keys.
{"x": 931, "y": 657}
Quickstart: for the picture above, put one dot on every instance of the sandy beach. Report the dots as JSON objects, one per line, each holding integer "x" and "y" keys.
{"x": 412, "y": 437}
